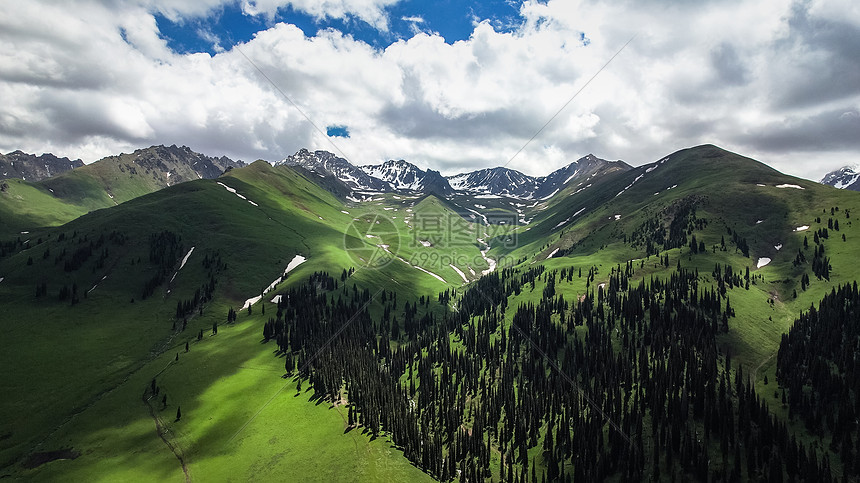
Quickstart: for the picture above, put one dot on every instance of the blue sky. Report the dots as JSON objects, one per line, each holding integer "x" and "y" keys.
{"x": 452, "y": 19}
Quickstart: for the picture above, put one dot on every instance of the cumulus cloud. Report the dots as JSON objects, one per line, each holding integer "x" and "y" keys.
{"x": 772, "y": 79}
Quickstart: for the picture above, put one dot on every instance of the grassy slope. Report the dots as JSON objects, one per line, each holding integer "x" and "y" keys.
{"x": 60, "y": 199}
{"x": 220, "y": 385}
{"x": 728, "y": 185}
{"x": 25, "y": 206}
{"x": 93, "y": 357}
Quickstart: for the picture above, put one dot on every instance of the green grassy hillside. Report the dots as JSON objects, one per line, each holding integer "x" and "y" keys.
{"x": 102, "y": 184}
{"x": 730, "y": 196}
{"x": 90, "y": 356}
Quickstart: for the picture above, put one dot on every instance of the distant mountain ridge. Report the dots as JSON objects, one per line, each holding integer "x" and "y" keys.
{"x": 404, "y": 176}
{"x": 110, "y": 181}
{"x": 176, "y": 164}
{"x": 846, "y": 177}
{"x": 496, "y": 181}
{"x": 30, "y": 167}
{"x": 172, "y": 164}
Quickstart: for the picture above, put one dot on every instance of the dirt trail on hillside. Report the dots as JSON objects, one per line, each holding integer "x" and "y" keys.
{"x": 153, "y": 354}
{"x": 162, "y": 433}
{"x": 755, "y": 371}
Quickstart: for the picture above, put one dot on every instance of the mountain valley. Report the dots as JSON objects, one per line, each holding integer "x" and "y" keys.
{"x": 191, "y": 317}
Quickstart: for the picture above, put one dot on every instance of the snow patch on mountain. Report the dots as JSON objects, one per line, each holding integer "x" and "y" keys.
{"x": 571, "y": 177}
{"x": 459, "y": 272}
{"x": 550, "y": 195}
{"x": 295, "y": 262}
{"x": 794, "y": 186}
{"x": 630, "y": 185}
{"x": 184, "y": 260}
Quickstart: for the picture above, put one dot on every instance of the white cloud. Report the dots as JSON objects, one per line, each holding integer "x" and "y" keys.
{"x": 369, "y": 11}
{"x": 87, "y": 79}
{"x": 211, "y": 38}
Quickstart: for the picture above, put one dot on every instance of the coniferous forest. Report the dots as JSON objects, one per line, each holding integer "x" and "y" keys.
{"x": 625, "y": 383}
{"x": 818, "y": 363}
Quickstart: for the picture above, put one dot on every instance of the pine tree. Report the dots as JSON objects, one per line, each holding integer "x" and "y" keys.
{"x": 178, "y": 413}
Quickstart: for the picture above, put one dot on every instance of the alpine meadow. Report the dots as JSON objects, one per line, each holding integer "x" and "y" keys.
{"x": 496, "y": 306}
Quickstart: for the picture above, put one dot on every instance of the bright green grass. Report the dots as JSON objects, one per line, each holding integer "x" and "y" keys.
{"x": 25, "y": 206}
{"x": 224, "y": 382}
{"x": 86, "y": 352}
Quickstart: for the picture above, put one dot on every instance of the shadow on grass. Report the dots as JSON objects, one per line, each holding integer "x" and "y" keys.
{"x": 38, "y": 459}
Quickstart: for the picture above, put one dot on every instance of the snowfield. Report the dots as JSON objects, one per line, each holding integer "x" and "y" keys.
{"x": 459, "y": 272}
{"x": 295, "y": 262}
{"x": 423, "y": 270}
{"x": 233, "y": 190}
{"x": 184, "y": 260}
{"x": 797, "y": 187}
{"x": 631, "y": 184}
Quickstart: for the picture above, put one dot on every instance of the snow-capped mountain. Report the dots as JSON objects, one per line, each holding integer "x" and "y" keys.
{"x": 509, "y": 182}
{"x": 496, "y": 181}
{"x": 402, "y": 175}
{"x": 843, "y": 178}
{"x": 325, "y": 163}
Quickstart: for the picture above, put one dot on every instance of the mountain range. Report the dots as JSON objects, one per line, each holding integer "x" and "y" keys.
{"x": 101, "y": 184}
{"x": 404, "y": 176}
{"x": 167, "y": 165}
